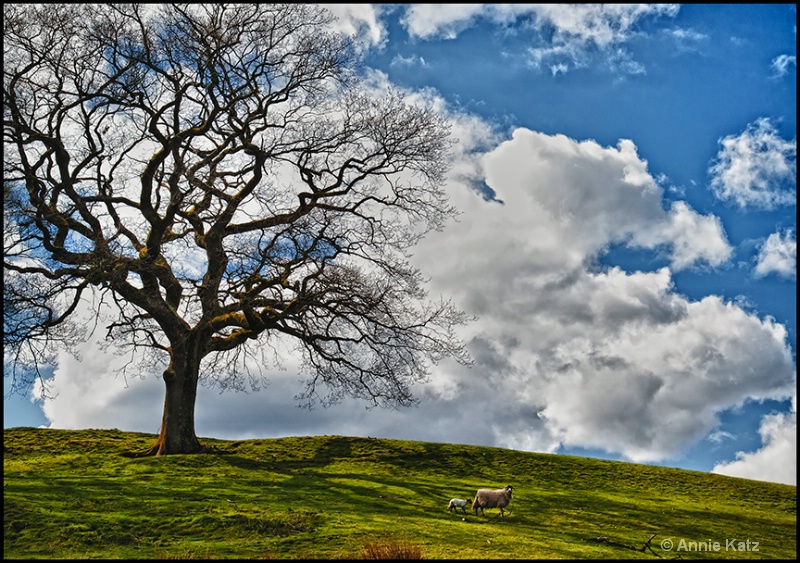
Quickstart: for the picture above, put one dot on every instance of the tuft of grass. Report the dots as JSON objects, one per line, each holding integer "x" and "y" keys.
{"x": 78, "y": 494}
{"x": 393, "y": 550}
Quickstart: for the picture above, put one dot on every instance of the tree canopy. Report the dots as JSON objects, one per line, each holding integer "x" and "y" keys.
{"x": 220, "y": 173}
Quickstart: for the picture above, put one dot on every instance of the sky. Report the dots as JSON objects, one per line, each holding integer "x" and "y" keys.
{"x": 626, "y": 182}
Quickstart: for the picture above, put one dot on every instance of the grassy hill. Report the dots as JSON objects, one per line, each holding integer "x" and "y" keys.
{"x": 74, "y": 494}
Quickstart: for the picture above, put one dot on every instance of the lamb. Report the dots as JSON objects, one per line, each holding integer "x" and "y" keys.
{"x": 458, "y": 503}
{"x": 489, "y": 498}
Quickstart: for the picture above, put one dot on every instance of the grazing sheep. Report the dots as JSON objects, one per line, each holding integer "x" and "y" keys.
{"x": 458, "y": 503}
{"x": 489, "y": 498}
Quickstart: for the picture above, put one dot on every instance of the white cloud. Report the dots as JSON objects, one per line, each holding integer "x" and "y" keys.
{"x": 90, "y": 392}
{"x": 359, "y": 20}
{"x": 694, "y": 238}
{"x": 687, "y": 40}
{"x": 599, "y": 24}
{"x": 776, "y": 460}
{"x": 778, "y": 255}
{"x": 611, "y": 359}
{"x": 413, "y": 60}
{"x": 441, "y": 20}
{"x": 568, "y": 31}
{"x": 756, "y": 168}
{"x": 651, "y": 386}
{"x": 780, "y": 65}
{"x": 583, "y": 197}
{"x": 719, "y": 437}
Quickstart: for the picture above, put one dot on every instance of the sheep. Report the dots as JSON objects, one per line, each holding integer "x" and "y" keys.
{"x": 458, "y": 503}
{"x": 488, "y": 498}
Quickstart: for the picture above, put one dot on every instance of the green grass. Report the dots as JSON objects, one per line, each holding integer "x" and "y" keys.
{"x": 74, "y": 494}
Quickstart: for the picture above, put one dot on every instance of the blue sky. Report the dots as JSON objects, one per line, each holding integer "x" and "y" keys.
{"x": 635, "y": 284}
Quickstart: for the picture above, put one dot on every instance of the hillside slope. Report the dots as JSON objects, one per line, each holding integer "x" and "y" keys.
{"x": 74, "y": 494}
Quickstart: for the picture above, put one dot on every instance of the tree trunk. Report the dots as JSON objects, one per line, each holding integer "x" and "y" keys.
{"x": 177, "y": 424}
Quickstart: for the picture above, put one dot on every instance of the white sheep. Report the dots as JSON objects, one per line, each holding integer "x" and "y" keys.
{"x": 491, "y": 498}
{"x": 458, "y": 503}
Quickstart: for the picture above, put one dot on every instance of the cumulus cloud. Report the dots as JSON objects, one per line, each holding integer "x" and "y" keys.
{"x": 583, "y": 197}
{"x": 694, "y": 238}
{"x": 776, "y": 460}
{"x": 778, "y": 255}
{"x": 359, "y": 20}
{"x": 440, "y": 20}
{"x": 90, "y": 391}
{"x": 606, "y": 359}
{"x": 756, "y": 168}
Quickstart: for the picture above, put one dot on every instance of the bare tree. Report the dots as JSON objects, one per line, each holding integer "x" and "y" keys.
{"x": 222, "y": 174}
